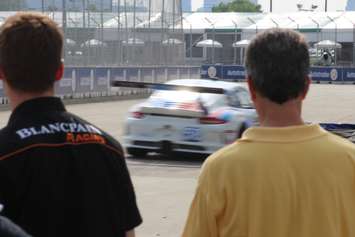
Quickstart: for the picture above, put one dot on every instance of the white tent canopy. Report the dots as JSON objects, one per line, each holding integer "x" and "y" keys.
{"x": 133, "y": 41}
{"x": 93, "y": 43}
{"x": 70, "y": 42}
{"x": 241, "y": 44}
{"x": 327, "y": 44}
{"x": 209, "y": 43}
{"x": 172, "y": 41}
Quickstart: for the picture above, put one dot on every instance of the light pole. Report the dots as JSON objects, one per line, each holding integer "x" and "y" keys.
{"x": 235, "y": 40}
{"x": 213, "y": 39}
{"x": 335, "y": 37}
{"x": 270, "y": 5}
{"x": 190, "y": 55}
{"x": 277, "y": 25}
{"x": 256, "y": 26}
{"x": 353, "y": 23}
{"x": 64, "y": 25}
{"x": 293, "y": 20}
{"x": 317, "y": 27}
{"x": 326, "y": 5}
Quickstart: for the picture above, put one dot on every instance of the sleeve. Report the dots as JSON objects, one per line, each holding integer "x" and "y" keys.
{"x": 202, "y": 217}
{"x": 132, "y": 217}
{"x": 9, "y": 229}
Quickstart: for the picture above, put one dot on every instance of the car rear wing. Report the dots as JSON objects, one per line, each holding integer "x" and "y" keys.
{"x": 162, "y": 86}
{"x": 344, "y": 130}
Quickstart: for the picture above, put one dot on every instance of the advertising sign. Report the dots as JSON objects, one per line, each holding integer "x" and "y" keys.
{"x": 328, "y": 74}
{"x": 211, "y": 71}
{"x": 234, "y": 72}
{"x": 349, "y": 75}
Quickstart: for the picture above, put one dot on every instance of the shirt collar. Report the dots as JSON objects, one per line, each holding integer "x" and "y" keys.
{"x": 36, "y": 106}
{"x": 283, "y": 134}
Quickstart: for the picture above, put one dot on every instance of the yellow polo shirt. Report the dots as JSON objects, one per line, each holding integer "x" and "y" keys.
{"x": 296, "y": 181}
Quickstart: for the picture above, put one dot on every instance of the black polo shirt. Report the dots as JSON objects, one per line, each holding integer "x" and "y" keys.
{"x": 62, "y": 176}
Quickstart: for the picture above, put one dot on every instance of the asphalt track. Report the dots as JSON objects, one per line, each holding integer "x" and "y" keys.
{"x": 165, "y": 185}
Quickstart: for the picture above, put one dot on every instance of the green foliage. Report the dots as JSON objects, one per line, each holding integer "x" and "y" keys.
{"x": 237, "y": 6}
{"x": 12, "y": 5}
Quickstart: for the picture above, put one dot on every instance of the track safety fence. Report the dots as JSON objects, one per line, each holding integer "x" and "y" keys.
{"x": 85, "y": 82}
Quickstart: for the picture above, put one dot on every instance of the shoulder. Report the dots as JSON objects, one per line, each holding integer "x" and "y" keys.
{"x": 226, "y": 157}
{"x": 9, "y": 229}
{"x": 340, "y": 143}
{"x": 109, "y": 139}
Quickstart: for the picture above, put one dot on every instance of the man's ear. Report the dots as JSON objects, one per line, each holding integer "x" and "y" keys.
{"x": 59, "y": 73}
{"x": 251, "y": 88}
{"x": 306, "y": 89}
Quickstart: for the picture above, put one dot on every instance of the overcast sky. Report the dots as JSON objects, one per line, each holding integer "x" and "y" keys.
{"x": 290, "y": 5}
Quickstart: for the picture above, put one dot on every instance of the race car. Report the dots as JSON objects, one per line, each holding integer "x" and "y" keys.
{"x": 189, "y": 115}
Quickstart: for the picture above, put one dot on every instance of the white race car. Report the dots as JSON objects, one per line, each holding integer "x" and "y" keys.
{"x": 189, "y": 121}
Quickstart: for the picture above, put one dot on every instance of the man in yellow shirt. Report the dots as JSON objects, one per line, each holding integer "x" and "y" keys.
{"x": 284, "y": 178}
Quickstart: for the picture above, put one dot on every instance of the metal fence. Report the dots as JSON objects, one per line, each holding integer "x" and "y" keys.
{"x": 117, "y": 32}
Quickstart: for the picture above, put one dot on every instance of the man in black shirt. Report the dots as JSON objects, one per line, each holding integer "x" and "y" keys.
{"x": 59, "y": 174}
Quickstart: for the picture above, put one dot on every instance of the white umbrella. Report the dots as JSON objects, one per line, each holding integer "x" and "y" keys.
{"x": 241, "y": 44}
{"x": 172, "y": 41}
{"x": 327, "y": 44}
{"x": 208, "y": 43}
{"x": 133, "y": 41}
{"x": 93, "y": 43}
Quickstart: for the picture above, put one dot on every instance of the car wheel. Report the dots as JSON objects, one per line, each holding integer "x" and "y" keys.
{"x": 138, "y": 152}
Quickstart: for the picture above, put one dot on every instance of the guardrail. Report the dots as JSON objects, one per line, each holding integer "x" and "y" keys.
{"x": 88, "y": 82}
{"x": 329, "y": 75}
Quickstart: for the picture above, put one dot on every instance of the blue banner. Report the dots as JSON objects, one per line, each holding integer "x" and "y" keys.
{"x": 147, "y": 74}
{"x": 211, "y": 71}
{"x": 65, "y": 85}
{"x": 83, "y": 80}
{"x": 349, "y": 74}
{"x": 101, "y": 80}
{"x": 318, "y": 74}
{"x": 234, "y": 72}
{"x": 184, "y": 73}
{"x": 160, "y": 75}
{"x": 117, "y": 74}
{"x": 132, "y": 74}
{"x": 172, "y": 73}
{"x": 328, "y": 74}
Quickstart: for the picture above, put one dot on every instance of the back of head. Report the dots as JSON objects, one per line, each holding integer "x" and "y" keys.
{"x": 277, "y": 61}
{"x": 30, "y": 52}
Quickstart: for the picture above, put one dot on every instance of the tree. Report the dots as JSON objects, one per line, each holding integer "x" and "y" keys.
{"x": 237, "y": 6}
{"x": 12, "y": 5}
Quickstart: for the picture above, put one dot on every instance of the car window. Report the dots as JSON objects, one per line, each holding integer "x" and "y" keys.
{"x": 240, "y": 98}
{"x": 213, "y": 101}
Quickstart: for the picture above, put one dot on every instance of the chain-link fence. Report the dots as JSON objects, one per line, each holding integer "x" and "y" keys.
{"x": 120, "y": 32}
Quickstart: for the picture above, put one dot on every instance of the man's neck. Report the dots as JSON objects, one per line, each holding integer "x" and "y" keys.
{"x": 275, "y": 115}
{"x": 16, "y": 98}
